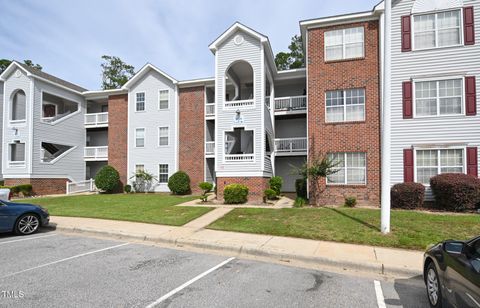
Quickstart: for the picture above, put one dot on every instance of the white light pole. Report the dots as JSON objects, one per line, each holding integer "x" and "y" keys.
{"x": 386, "y": 125}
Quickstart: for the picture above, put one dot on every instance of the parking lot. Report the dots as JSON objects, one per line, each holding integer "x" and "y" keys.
{"x": 51, "y": 269}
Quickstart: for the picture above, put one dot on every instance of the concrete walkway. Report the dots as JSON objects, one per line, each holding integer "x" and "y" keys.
{"x": 282, "y": 203}
{"x": 385, "y": 261}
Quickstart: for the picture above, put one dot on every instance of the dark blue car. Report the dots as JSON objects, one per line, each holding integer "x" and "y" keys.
{"x": 22, "y": 218}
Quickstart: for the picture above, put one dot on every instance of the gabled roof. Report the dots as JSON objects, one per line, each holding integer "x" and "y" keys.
{"x": 30, "y": 71}
{"x": 236, "y": 26}
{"x": 147, "y": 67}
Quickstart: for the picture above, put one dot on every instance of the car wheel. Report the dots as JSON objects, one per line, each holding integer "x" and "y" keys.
{"x": 27, "y": 224}
{"x": 432, "y": 282}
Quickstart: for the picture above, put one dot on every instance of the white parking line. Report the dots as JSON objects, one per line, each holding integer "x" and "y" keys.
{"x": 26, "y": 239}
{"x": 186, "y": 284}
{"x": 379, "y": 293}
{"x": 63, "y": 260}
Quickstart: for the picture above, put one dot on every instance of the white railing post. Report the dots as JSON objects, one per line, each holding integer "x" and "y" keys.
{"x": 67, "y": 188}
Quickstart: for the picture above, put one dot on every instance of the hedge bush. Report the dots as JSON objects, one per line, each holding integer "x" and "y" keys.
{"x": 179, "y": 183}
{"x": 270, "y": 194}
{"x": 127, "y": 188}
{"x": 301, "y": 188}
{"x": 276, "y": 183}
{"x": 235, "y": 194}
{"x": 456, "y": 191}
{"x": 107, "y": 179}
{"x": 350, "y": 201}
{"x": 407, "y": 195}
{"x": 300, "y": 202}
{"x": 24, "y": 189}
{"x": 206, "y": 187}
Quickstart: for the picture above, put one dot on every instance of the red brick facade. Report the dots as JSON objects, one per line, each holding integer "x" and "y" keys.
{"x": 192, "y": 134}
{"x": 256, "y": 186}
{"x": 118, "y": 134}
{"x": 41, "y": 186}
{"x": 362, "y": 136}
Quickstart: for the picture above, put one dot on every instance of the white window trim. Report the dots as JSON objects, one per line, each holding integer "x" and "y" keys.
{"x": 437, "y": 79}
{"x": 158, "y": 173}
{"x": 343, "y": 58}
{"x": 415, "y": 149}
{"x": 223, "y": 146}
{"x": 10, "y": 107}
{"x": 346, "y": 170}
{"x": 412, "y": 26}
{"x": 144, "y": 137}
{"x": 168, "y": 100}
{"x": 144, "y": 101}
{"x": 9, "y": 157}
{"x": 224, "y": 91}
{"x": 345, "y": 106}
{"x": 168, "y": 136}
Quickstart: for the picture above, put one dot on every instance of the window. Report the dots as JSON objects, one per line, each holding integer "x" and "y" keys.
{"x": 17, "y": 152}
{"x": 163, "y": 99}
{"x": 139, "y": 168}
{"x": 434, "y": 98}
{"x": 345, "y": 105}
{"x": 140, "y": 101}
{"x": 437, "y": 30}
{"x": 140, "y": 137}
{"x": 162, "y": 136}
{"x": 19, "y": 106}
{"x": 351, "y": 168}
{"x": 344, "y": 44}
{"x": 429, "y": 163}
{"x": 163, "y": 173}
{"x": 239, "y": 142}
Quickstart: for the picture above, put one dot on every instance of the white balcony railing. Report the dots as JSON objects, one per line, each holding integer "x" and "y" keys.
{"x": 210, "y": 147}
{"x": 80, "y": 187}
{"x": 236, "y": 104}
{"x": 291, "y": 145}
{"x": 96, "y": 153}
{"x": 291, "y": 103}
{"x": 210, "y": 109}
{"x": 239, "y": 157}
{"x": 96, "y": 119}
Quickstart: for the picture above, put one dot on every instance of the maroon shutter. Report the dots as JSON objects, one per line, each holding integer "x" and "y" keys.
{"x": 407, "y": 100}
{"x": 406, "y": 33}
{"x": 472, "y": 161}
{"x": 408, "y": 165}
{"x": 470, "y": 96}
{"x": 468, "y": 26}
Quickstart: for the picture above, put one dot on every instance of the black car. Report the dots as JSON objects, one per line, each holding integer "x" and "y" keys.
{"x": 452, "y": 273}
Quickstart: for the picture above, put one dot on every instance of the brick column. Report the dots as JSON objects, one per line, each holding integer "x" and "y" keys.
{"x": 118, "y": 134}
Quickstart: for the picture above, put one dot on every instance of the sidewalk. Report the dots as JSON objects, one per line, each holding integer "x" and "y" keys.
{"x": 378, "y": 260}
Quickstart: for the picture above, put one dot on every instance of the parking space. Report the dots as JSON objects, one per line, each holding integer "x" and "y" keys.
{"x": 57, "y": 270}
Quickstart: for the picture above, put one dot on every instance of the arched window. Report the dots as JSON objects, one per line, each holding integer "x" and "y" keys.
{"x": 239, "y": 82}
{"x": 19, "y": 106}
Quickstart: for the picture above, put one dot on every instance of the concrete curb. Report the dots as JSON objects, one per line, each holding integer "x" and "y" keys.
{"x": 250, "y": 251}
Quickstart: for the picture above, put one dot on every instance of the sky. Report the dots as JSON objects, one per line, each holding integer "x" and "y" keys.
{"x": 69, "y": 37}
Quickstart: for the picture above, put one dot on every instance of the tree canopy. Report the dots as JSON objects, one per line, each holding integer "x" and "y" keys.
{"x": 115, "y": 72}
{"x": 4, "y": 63}
{"x": 292, "y": 59}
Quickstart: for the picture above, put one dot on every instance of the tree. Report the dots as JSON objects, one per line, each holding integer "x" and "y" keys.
{"x": 293, "y": 59}
{"x": 143, "y": 181}
{"x": 4, "y": 63}
{"x": 115, "y": 72}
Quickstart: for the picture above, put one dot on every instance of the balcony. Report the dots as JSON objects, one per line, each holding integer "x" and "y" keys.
{"x": 291, "y": 146}
{"x": 210, "y": 110}
{"x": 239, "y": 158}
{"x": 239, "y": 104}
{"x": 96, "y": 119}
{"x": 96, "y": 153}
{"x": 210, "y": 148}
{"x": 291, "y": 104}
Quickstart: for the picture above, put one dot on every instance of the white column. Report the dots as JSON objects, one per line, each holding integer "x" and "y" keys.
{"x": 386, "y": 120}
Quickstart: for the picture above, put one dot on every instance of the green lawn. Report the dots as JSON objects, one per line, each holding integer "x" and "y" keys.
{"x": 411, "y": 230}
{"x": 149, "y": 208}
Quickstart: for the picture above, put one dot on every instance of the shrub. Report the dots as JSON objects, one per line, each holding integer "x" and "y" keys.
{"x": 235, "y": 194}
{"x": 107, "y": 179}
{"x": 24, "y": 189}
{"x": 301, "y": 188}
{"x": 276, "y": 183}
{"x": 407, "y": 195}
{"x": 179, "y": 183}
{"x": 206, "y": 187}
{"x": 270, "y": 194}
{"x": 350, "y": 201}
{"x": 127, "y": 188}
{"x": 456, "y": 191}
{"x": 300, "y": 202}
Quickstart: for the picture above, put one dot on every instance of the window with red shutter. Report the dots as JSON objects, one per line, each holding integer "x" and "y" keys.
{"x": 470, "y": 96}
{"x": 468, "y": 26}
{"x": 408, "y": 165}
{"x": 472, "y": 161}
{"x": 406, "y": 33}
{"x": 407, "y": 91}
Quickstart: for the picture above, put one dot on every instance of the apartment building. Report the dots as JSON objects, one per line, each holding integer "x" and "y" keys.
{"x": 251, "y": 121}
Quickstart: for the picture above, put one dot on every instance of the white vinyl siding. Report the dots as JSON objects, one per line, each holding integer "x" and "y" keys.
{"x": 163, "y": 173}
{"x": 351, "y": 169}
{"x": 344, "y": 44}
{"x": 163, "y": 99}
{"x": 345, "y": 105}
{"x": 437, "y": 30}
{"x": 140, "y": 101}
{"x": 163, "y": 136}
{"x": 435, "y": 98}
{"x": 140, "y": 137}
{"x": 429, "y": 163}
